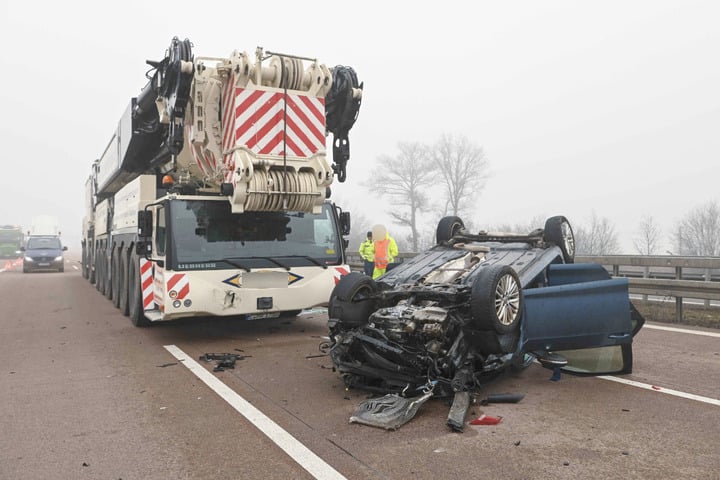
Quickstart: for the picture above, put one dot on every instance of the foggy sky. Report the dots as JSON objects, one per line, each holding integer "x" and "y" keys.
{"x": 610, "y": 107}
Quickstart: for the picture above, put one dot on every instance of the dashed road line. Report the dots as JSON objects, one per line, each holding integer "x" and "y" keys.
{"x": 668, "y": 391}
{"x": 289, "y": 444}
{"x": 682, "y": 330}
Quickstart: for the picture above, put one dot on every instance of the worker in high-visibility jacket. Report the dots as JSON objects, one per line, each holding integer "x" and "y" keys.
{"x": 385, "y": 249}
{"x": 367, "y": 253}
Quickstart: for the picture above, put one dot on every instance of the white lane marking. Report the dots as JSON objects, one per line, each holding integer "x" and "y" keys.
{"x": 668, "y": 391}
{"x": 682, "y": 330}
{"x": 299, "y": 452}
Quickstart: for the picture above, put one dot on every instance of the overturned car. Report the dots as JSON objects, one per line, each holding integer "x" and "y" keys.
{"x": 475, "y": 304}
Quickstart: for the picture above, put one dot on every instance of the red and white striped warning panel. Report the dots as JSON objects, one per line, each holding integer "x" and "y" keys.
{"x": 178, "y": 286}
{"x": 339, "y": 272}
{"x": 272, "y": 123}
{"x": 146, "y": 282}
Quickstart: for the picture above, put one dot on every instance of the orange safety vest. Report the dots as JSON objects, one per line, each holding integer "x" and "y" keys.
{"x": 381, "y": 253}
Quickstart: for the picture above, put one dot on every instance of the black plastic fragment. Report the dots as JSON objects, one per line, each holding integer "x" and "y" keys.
{"x": 224, "y": 360}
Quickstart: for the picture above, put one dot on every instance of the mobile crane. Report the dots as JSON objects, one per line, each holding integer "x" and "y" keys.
{"x": 212, "y": 196}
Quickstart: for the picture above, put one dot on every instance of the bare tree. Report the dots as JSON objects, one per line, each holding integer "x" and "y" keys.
{"x": 404, "y": 181}
{"x": 598, "y": 238}
{"x": 648, "y": 239}
{"x": 358, "y": 231}
{"x": 699, "y": 232}
{"x": 463, "y": 168}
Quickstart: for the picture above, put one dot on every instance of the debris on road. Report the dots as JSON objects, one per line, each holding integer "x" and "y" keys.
{"x": 502, "y": 398}
{"x": 390, "y": 411}
{"x": 486, "y": 420}
{"x": 224, "y": 360}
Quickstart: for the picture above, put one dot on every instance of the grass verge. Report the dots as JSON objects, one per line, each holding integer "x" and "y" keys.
{"x": 664, "y": 312}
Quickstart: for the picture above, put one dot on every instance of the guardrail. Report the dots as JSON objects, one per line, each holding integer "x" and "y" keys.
{"x": 665, "y": 276}
{"x": 648, "y": 275}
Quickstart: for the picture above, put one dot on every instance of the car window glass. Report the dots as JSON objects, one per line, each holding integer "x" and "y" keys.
{"x": 594, "y": 360}
{"x": 35, "y": 243}
{"x": 160, "y": 231}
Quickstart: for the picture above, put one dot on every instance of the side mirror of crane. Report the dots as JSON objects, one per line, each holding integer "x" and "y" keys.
{"x": 145, "y": 224}
{"x": 143, "y": 246}
{"x": 345, "y": 223}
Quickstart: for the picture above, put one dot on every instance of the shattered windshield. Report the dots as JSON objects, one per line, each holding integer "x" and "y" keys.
{"x": 208, "y": 232}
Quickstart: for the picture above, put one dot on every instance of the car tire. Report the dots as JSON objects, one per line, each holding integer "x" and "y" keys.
{"x": 61, "y": 269}
{"x": 351, "y": 300}
{"x": 496, "y": 299}
{"x": 559, "y": 232}
{"x": 447, "y": 228}
{"x": 135, "y": 304}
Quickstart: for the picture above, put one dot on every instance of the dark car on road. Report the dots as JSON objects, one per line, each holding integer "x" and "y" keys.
{"x": 43, "y": 253}
{"x": 475, "y": 304}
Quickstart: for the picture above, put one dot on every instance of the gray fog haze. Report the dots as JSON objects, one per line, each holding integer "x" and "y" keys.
{"x": 610, "y": 107}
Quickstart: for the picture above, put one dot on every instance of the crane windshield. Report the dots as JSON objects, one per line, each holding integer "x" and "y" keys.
{"x": 207, "y": 235}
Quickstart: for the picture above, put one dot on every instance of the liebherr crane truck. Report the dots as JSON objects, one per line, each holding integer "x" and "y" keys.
{"x": 212, "y": 196}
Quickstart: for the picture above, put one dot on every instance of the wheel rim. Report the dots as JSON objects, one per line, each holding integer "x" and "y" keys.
{"x": 568, "y": 238}
{"x": 507, "y": 300}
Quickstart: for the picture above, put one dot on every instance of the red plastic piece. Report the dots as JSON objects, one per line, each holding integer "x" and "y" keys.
{"x": 486, "y": 420}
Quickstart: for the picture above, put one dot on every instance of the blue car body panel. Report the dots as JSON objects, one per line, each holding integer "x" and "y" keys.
{"x": 577, "y": 315}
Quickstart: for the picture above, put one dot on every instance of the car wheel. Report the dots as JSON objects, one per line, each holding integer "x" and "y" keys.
{"x": 447, "y": 228}
{"x": 25, "y": 269}
{"x": 559, "y": 232}
{"x": 61, "y": 269}
{"x": 351, "y": 300}
{"x": 496, "y": 299}
{"x": 135, "y": 305}
{"x": 508, "y": 342}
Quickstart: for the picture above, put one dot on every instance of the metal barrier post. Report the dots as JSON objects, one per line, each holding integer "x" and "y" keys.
{"x": 678, "y": 300}
{"x": 708, "y": 277}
